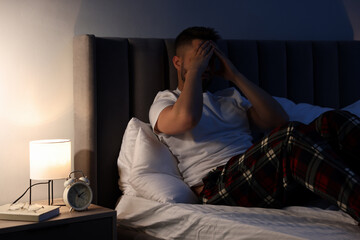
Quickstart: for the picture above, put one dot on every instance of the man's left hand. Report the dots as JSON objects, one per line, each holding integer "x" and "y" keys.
{"x": 227, "y": 69}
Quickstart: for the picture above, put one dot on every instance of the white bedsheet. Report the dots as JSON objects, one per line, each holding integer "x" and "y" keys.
{"x": 195, "y": 221}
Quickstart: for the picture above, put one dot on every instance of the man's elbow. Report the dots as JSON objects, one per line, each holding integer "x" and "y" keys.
{"x": 178, "y": 125}
{"x": 282, "y": 119}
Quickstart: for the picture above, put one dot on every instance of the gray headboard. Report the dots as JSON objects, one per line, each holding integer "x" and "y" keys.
{"x": 117, "y": 78}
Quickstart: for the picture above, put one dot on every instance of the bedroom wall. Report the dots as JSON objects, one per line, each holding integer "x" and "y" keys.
{"x": 36, "y": 98}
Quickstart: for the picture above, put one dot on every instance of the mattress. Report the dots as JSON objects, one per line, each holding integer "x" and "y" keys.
{"x": 196, "y": 221}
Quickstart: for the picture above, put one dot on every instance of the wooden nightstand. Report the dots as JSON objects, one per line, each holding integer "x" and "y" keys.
{"x": 95, "y": 223}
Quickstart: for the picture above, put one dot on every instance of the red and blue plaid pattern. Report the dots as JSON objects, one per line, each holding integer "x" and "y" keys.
{"x": 323, "y": 157}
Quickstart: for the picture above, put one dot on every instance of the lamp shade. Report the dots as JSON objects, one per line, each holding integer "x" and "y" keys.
{"x": 50, "y": 159}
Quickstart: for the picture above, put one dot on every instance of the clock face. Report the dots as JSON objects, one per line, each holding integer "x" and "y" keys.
{"x": 79, "y": 196}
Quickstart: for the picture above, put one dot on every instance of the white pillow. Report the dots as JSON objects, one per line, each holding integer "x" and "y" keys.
{"x": 306, "y": 113}
{"x": 126, "y": 156}
{"x": 301, "y": 112}
{"x": 354, "y": 108}
{"x": 154, "y": 173}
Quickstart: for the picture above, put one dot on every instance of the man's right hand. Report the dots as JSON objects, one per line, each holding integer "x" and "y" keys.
{"x": 199, "y": 61}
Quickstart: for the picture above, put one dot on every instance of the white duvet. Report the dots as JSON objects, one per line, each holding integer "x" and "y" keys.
{"x": 196, "y": 221}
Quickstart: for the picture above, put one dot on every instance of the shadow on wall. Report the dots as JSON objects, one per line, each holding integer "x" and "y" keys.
{"x": 242, "y": 19}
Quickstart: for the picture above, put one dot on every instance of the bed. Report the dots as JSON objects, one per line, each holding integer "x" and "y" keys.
{"x": 115, "y": 82}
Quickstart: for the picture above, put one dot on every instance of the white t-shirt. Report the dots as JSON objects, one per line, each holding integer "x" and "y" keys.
{"x": 223, "y": 132}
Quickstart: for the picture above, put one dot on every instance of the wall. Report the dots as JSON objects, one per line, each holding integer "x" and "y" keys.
{"x": 36, "y": 98}
{"x": 249, "y": 19}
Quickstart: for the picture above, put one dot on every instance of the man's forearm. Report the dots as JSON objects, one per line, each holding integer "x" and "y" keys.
{"x": 190, "y": 102}
{"x": 266, "y": 107}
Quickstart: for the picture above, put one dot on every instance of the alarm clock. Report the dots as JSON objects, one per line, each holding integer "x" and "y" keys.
{"x": 77, "y": 194}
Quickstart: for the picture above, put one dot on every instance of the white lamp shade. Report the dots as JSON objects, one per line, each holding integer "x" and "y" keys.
{"x": 50, "y": 159}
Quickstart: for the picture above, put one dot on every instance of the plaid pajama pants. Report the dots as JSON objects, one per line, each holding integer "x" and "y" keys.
{"x": 294, "y": 161}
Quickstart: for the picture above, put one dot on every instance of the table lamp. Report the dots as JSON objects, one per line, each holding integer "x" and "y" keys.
{"x": 49, "y": 159}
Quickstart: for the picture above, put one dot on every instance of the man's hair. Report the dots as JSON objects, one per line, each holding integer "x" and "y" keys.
{"x": 191, "y": 33}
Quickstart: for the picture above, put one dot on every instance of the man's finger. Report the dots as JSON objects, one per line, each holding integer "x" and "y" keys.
{"x": 210, "y": 51}
{"x": 203, "y": 46}
{"x": 215, "y": 45}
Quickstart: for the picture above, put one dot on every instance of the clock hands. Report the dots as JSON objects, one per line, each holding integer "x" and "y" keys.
{"x": 76, "y": 191}
{"x": 79, "y": 195}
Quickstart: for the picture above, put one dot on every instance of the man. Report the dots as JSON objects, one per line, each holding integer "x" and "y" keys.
{"x": 209, "y": 134}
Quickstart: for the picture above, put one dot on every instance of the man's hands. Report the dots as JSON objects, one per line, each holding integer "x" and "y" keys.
{"x": 226, "y": 69}
{"x": 199, "y": 62}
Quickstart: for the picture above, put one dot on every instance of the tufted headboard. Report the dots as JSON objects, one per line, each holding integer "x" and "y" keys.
{"x": 118, "y": 78}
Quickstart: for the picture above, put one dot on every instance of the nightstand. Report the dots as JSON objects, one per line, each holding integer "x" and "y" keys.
{"x": 95, "y": 223}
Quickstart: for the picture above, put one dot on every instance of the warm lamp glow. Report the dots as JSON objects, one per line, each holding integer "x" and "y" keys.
{"x": 50, "y": 159}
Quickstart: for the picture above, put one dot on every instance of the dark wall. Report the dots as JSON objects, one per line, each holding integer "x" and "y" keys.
{"x": 244, "y": 19}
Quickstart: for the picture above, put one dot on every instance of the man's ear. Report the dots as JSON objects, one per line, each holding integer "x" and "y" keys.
{"x": 177, "y": 62}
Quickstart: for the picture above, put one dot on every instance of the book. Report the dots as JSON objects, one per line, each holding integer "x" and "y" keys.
{"x": 24, "y": 212}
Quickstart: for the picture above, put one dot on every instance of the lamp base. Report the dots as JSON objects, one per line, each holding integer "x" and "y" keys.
{"x": 50, "y": 184}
